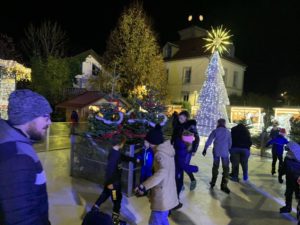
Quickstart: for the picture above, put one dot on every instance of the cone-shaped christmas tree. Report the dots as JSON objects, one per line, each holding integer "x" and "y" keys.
{"x": 213, "y": 96}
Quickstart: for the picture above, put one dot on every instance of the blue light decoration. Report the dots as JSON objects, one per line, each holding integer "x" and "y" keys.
{"x": 213, "y": 97}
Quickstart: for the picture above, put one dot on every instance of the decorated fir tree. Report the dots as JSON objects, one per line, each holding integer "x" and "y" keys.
{"x": 213, "y": 96}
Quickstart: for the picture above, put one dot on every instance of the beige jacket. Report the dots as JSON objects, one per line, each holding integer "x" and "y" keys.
{"x": 163, "y": 194}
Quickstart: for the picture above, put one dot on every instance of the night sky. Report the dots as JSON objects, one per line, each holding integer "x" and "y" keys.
{"x": 266, "y": 32}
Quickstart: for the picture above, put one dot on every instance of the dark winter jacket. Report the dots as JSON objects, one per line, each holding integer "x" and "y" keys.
{"x": 278, "y": 143}
{"x": 274, "y": 132}
{"x": 23, "y": 194}
{"x": 291, "y": 165}
{"x": 190, "y": 125}
{"x": 240, "y": 137}
{"x": 113, "y": 173}
{"x": 181, "y": 152}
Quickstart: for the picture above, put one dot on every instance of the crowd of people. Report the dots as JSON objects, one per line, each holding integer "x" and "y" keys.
{"x": 23, "y": 195}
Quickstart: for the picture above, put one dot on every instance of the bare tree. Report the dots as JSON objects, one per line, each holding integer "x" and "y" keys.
{"x": 8, "y": 49}
{"x": 48, "y": 39}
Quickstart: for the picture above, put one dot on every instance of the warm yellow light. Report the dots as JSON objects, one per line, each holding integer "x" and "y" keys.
{"x": 218, "y": 40}
{"x": 190, "y": 18}
{"x": 201, "y": 18}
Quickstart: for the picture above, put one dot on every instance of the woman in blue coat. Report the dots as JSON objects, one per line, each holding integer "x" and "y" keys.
{"x": 183, "y": 146}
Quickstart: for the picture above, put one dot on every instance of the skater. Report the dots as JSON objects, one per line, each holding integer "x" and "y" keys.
{"x": 277, "y": 149}
{"x": 146, "y": 158}
{"x": 291, "y": 170}
{"x": 23, "y": 195}
{"x": 240, "y": 151}
{"x": 191, "y": 125}
{"x": 273, "y": 134}
{"x": 222, "y": 143}
{"x": 112, "y": 185}
{"x": 182, "y": 147}
{"x": 163, "y": 196}
{"x": 74, "y": 121}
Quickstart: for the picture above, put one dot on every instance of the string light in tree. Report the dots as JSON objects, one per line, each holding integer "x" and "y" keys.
{"x": 213, "y": 96}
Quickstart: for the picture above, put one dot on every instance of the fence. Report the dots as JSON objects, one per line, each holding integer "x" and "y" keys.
{"x": 58, "y": 136}
{"x": 88, "y": 160}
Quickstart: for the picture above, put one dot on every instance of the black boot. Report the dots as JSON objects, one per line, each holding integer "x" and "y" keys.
{"x": 116, "y": 218}
{"x": 286, "y": 209}
{"x": 212, "y": 184}
{"x": 225, "y": 188}
{"x": 224, "y": 182}
{"x": 273, "y": 171}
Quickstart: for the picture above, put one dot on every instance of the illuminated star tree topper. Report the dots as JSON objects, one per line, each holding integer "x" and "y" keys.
{"x": 218, "y": 40}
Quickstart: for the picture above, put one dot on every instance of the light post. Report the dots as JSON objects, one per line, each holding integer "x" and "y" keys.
{"x": 285, "y": 97}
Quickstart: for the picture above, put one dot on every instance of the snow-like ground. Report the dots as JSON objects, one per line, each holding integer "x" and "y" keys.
{"x": 256, "y": 202}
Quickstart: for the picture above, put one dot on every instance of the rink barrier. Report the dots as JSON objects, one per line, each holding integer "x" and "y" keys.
{"x": 88, "y": 160}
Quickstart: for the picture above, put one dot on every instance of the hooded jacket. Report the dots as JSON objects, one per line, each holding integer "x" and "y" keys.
{"x": 278, "y": 144}
{"x": 181, "y": 152}
{"x": 163, "y": 195}
{"x": 222, "y": 142}
{"x": 23, "y": 195}
{"x": 190, "y": 125}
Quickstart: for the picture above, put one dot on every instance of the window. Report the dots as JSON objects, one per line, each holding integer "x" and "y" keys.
{"x": 168, "y": 52}
{"x": 225, "y": 76}
{"x": 167, "y": 73}
{"x": 96, "y": 70}
{"x": 185, "y": 96}
{"x": 235, "y": 79}
{"x": 187, "y": 72}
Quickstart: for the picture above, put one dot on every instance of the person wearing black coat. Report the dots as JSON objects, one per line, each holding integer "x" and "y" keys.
{"x": 291, "y": 170}
{"x": 190, "y": 125}
{"x": 240, "y": 151}
{"x": 113, "y": 175}
{"x": 23, "y": 183}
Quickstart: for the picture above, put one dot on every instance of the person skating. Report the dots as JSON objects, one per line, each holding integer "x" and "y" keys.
{"x": 291, "y": 170}
{"x": 163, "y": 195}
{"x": 184, "y": 123}
{"x": 240, "y": 151}
{"x": 182, "y": 147}
{"x": 221, "y": 138}
{"x": 112, "y": 184}
{"x": 273, "y": 134}
{"x": 277, "y": 149}
{"x": 146, "y": 158}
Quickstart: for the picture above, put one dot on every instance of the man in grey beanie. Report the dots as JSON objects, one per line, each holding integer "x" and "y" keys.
{"x": 23, "y": 195}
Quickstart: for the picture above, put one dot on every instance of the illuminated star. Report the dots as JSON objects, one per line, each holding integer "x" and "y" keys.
{"x": 217, "y": 40}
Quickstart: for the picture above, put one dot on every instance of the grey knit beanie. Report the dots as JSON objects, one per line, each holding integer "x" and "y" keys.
{"x": 26, "y": 105}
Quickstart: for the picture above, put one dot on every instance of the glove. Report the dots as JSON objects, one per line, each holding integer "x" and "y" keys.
{"x": 140, "y": 190}
{"x": 204, "y": 152}
{"x": 95, "y": 208}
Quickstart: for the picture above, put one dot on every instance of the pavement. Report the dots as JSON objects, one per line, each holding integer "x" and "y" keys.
{"x": 255, "y": 202}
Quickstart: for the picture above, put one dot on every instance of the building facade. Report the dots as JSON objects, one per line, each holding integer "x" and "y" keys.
{"x": 186, "y": 62}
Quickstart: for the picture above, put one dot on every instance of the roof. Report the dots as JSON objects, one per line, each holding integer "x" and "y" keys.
{"x": 86, "y": 99}
{"x": 193, "y": 48}
{"x": 82, "y": 100}
{"x": 87, "y": 53}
